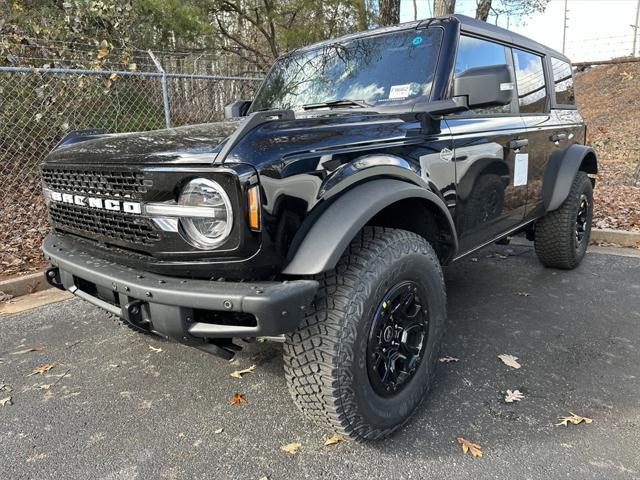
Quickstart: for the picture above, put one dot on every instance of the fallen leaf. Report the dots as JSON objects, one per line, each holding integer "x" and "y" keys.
{"x": 157, "y": 350}
{"x": 27, "y": 350}
{"x": 237, "y": 399}
{"x": 5, "y": 386}
{"x": 114, "y": 365}
{"x": 5, "y": 401}
{"x": 239, "y": 373}
{"x": 40, "y": 369}
{"x": 264, "y": 478}
{"x": 523, "y": 294}
{"x": 291, "y": 447}
{"x": 45, "y": 386}
{"x": 513, "y": 396}
{"x": 509, "y": 360}
{"x": 220, "y": 430}
{"x": 181, "y": 435}
{"x": 449, "y": 359}
{"x": 574, "y": 419}
{"x": 103, "y": 51}
{"x": 468, "y": 446}
{"x": 132, "y": 67}
{"x": 333, "y": 439}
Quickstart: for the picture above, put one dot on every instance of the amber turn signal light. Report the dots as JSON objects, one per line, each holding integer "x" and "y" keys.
{"x": 253, "y": 196}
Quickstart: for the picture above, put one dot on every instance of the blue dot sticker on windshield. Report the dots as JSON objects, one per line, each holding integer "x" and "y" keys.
{"x": 416, "y": 40}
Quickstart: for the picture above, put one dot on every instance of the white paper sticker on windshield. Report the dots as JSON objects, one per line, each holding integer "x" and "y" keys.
{"x": 399, "y": 91}
{"x": 521, "y": 169}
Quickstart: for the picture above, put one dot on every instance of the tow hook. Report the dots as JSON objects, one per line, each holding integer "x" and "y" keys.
{"x": 53, "y": 277}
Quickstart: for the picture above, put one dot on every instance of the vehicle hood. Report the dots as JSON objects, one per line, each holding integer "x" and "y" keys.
{"x": 274, "y": 141}
{"x": 190, "y": 144}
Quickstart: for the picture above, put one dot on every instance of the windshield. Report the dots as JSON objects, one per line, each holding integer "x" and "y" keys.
{"x": 383, "y": 69}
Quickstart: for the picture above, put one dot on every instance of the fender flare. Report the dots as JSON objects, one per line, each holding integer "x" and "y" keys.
{"x": 562, "y": 169}
{"x": 332, "y": 232}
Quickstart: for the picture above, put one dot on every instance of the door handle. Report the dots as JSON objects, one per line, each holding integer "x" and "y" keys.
{"x": 556, "y": 137}
{"x": 517, "y": 144}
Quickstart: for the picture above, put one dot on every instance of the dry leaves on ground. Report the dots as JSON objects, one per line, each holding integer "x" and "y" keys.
{"x": 513, "y": 396}
{"x": 28, "y": 350}
{"x": 509, "y": 360}
{"x": 218, "y": 431}
{"x": 237, "y": 399}
{"x": 333, "y": 439}
{"x": 449, "y": 360}
{"x": 291, "y": 447}
{"x": 42, "y": 368}
{"x": 5, "y": 401}
{"x": 574, "y": 419}
{"x": 157, "y": 350}
{"x": 467, "y": 446}
{"x": 240, "y": 373}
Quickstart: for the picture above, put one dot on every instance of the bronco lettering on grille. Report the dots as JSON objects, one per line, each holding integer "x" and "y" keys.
{"x": 93, "y": 202}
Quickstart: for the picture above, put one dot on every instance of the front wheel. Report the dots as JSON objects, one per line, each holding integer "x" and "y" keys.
{"x": 362, "y": 361}
{"x": 562, "y": 236}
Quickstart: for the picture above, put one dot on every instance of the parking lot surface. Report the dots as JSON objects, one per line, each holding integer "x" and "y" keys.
{"x": 117, "y": 408}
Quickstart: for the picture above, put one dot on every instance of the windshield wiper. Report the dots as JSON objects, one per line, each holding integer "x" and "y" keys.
{"x": 343, "y": 102}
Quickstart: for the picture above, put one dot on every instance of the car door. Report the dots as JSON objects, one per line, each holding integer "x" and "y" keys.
{"x": 491, "y": 191}
{"x": 551, "y": 118}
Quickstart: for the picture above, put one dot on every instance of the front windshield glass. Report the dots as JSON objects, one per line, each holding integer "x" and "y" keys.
{"x": 383, "y": 69}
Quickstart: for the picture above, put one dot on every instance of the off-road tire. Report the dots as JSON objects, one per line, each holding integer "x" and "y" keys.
{"x": 325, "y": 358}
{"x": 555, "y": 234}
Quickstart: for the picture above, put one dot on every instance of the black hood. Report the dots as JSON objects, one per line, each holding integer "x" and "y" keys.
{"x": 190, "y": 144}
{"x": 267, "y": 143}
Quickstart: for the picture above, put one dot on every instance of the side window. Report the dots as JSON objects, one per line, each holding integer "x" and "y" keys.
{"x": 532, "y": 92}
{"x": 563, "y": 82}
{"x": 475, "y": 52}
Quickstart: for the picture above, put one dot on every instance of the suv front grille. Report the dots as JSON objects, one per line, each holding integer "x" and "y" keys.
{"x": 110, "y": 225}
{"x": 126, "y": 184}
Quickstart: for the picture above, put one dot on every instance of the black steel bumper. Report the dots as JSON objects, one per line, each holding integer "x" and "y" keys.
{"x": 190, "y": 311}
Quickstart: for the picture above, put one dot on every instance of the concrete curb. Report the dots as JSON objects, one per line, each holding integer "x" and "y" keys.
{"x": 617, "y": 237}
{"x": 35, "y": 282}
{"x": 24, "y": 284}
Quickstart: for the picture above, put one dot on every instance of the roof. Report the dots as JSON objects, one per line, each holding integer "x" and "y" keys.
{"x": 467, "y": 24}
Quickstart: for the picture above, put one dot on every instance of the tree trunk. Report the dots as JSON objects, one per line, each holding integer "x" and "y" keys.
{"x": 389, "y": 12}
{"x": 482, "y": 12}
{"x": 443, "y": 7}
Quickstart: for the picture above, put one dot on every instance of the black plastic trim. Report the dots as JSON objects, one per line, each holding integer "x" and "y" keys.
{"x": 559, "y": 175}
{"x": 330, "y": 235}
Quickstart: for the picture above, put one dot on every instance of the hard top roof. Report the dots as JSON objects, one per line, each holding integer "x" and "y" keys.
{"x": 467, "y": 24}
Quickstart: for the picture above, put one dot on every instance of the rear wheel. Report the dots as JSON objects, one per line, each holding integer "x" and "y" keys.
{"x": 361, "y": 362}
{"x": 562, "y": 236}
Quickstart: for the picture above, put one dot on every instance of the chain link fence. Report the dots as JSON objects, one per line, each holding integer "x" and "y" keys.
{"x": 38, "y": 106}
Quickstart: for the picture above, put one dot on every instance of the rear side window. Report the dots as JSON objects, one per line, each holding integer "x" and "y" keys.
{"x": 475, "y": 52}
{"x": 563, "y": 82}
{"x": 532, "y": 92}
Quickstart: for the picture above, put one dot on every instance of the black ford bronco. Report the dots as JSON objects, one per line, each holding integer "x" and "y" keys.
{"x": 322, "y": 211}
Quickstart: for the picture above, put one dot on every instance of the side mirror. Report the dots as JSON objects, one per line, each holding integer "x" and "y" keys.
{"x": 238, "y": 108}
{"x": 485, "y": 86}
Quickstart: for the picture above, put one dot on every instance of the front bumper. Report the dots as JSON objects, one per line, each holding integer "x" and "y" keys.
{"x": 186, "y": 310}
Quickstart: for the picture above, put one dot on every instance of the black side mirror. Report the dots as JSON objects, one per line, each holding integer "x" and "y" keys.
{"x": 485, "y": 86}
{"x": 238, "y": 108}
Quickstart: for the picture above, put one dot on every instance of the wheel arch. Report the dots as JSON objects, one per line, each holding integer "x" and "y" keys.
{"x": 382, "y": 202}
{"x": 562, "y": 169}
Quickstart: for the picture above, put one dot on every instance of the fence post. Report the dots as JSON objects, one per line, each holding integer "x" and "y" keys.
{"x": 165, "y": 93}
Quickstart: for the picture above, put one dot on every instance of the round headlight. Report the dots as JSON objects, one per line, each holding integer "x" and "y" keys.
{"x": 212, "y": 226}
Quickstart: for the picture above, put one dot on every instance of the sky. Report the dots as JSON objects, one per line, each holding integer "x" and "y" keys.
{"x": 596, "y": 29}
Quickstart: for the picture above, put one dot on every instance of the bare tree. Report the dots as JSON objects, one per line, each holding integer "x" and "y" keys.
{"x": 389, "y": 12}
{"x": 443, "y": 7}
{"x": 508, "y": 7}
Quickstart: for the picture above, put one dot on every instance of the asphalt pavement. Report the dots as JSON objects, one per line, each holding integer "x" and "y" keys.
{"x": 118, "y": 408}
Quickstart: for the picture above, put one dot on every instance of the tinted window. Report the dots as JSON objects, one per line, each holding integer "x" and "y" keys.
{"x": 474, "y": 52}
{"x": 382, "y": 69}
{"x": 532, "y": 94}
{"x": 563, "y": 82}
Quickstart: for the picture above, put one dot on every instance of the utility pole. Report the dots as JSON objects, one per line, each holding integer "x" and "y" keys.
{"x": 564, "y": 30}
{"x": 635, "y": 30}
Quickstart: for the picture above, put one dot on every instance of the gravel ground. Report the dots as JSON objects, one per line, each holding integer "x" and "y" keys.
{"x": 125, "y": 411}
